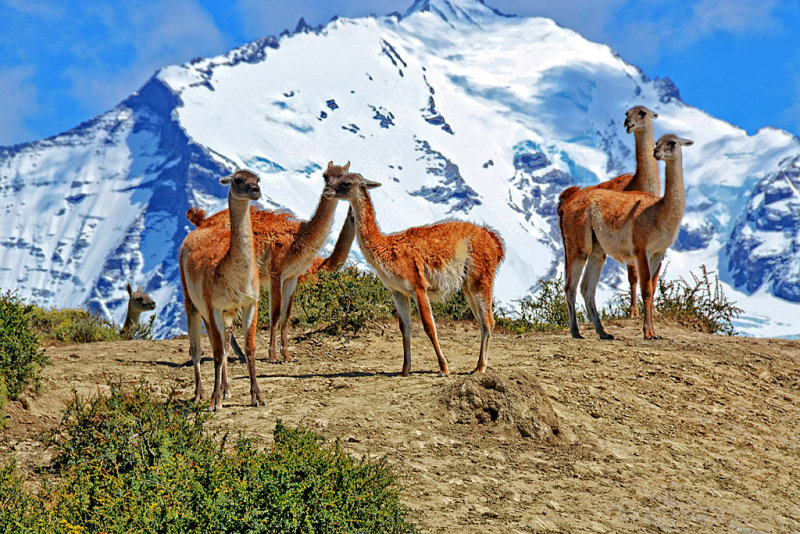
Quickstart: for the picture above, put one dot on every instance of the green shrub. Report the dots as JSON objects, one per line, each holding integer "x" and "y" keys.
{"x": 546, "y": 309}
{"x": 337, "y": 302}
{"x": 454, "y": 308}
{"x": 142, "y": 330}
{"x": 128, "y": 462}
{"x": 21, "y": 357}
{"x": 700, "y": 303}
{"x": 18, "y": 510}
{"x": 73, "y": 326}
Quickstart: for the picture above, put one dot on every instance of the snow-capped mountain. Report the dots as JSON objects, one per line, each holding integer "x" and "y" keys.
{"x": 459, "y": 110}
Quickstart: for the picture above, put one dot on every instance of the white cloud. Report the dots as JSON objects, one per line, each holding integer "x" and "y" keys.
{"x": 735, "y": 16}
{"x": 165, "y": 33}
{"x": 19, "y": 101}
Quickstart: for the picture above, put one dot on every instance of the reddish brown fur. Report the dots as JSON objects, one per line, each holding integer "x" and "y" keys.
{"x": 631, "y": 226}
{"x": 428, "y": 262}
{"x": 219, "y": 276}
{"x": 638, "y": 120}
{"x": 285, "y": 248}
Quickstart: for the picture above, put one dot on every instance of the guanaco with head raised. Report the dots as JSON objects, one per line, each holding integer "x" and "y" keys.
{"x": 219, "y": 275}
{"x": 638, "y": 120}
{"x": 138, "y": 302}
{"x": 632, "y": 227}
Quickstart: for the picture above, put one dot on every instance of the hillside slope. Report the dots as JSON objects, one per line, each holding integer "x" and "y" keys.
{"x": 694, "y": 433}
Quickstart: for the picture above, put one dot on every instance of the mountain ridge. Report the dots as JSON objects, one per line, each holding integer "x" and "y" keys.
{"x": 489, "y": 130}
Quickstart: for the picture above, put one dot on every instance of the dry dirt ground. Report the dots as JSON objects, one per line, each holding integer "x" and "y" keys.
{"x": 693, "y": 433}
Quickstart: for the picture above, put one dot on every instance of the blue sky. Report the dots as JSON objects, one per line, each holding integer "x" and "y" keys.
{"x": 66, "y": 61}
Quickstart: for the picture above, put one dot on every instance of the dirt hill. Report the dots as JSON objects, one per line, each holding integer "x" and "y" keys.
{"x": 694, "y": 433}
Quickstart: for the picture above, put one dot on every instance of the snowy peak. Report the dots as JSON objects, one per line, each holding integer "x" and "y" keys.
{"x": 488, "y": 130}
{"x": 456, "y": 11}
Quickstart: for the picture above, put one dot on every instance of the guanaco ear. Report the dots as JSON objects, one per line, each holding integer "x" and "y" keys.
{"x": 226, "y": 180}
{"x": 346, "y": 167}
{"x": 330, "y": 164}
{"x": 139, "y": 289}
{"x": 652, "y": 113}
{"x": 130, "y": 290}
{"x": 369, "y": 184}
{"x": 685, "y": 142}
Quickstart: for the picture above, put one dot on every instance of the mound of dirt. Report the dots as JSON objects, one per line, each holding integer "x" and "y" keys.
{"x": 507, "y": 401}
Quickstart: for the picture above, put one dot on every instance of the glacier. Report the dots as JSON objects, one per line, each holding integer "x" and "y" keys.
{"x": 459, "y": 110}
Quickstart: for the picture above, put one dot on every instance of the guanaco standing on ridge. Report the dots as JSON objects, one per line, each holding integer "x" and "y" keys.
{"x": 219, "y": 275}
{"x": 632, "y": 227}
{"x": 285, "y": 248}
{"x": 332, "y": 263}
{"x": 427, "y": 262}
{"x": 138, "y": 302}
{"x": 638, "y": 120}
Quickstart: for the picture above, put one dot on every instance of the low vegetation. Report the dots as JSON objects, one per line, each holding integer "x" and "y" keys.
{"x": 21, "y": 356}
{"x": 699, "y": 303}
{"x": 129, "y": 462}
{"x": 345, "y": 301}
{"x": 544, "y": 310}
{"x": 71, "y": 325}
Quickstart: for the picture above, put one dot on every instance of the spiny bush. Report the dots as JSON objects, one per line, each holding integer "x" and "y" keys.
{"x": 73, "y": 326}
{"x": 699, "y": 303}
{"x": 21, "y": 357}
{"x": 454, "y": 308}
{"x": 127, "y": 462}
{"x": 141, "y": 330}
{"x": 546, "y": 309}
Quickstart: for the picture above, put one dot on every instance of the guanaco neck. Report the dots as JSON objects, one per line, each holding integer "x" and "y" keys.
{"x": 132, "y": 317}
{"x": 672, "y": 204}
{"x": 241, "y": 229}
{"x": 367, "y": 231}
{"x": 343, "y": 244}
{"x": 646, "y": 176}
{"x": 314, "y": 231}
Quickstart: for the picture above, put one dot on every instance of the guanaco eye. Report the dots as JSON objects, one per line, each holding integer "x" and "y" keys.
{"x": 641, "y": 114}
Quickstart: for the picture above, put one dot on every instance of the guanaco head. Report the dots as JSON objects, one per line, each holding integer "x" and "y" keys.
{"x": 638, "y": 118}
{"x": 668, "y": 147}
{"x": 139, "y": 301}
{"x": 332, "y": 175}
{"x": 244, "y": 185}
{"x": 350, "y": 185}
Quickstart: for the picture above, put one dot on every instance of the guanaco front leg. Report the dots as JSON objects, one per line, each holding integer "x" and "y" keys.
{"x": 249, "y": 323}
{"x": 646, "y": 284}
{"x": 426, "y": 315}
